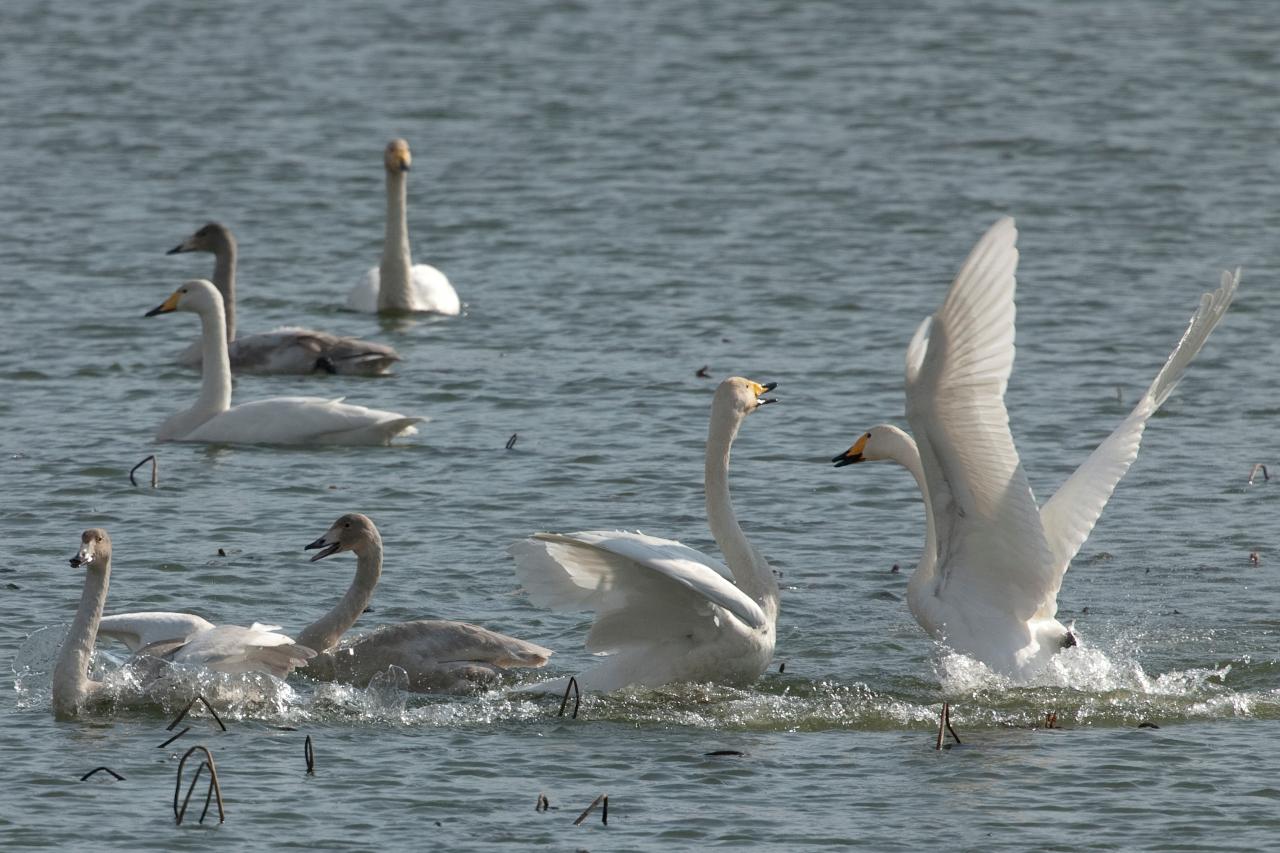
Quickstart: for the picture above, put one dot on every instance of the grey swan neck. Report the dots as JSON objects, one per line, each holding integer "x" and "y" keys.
{"x": 71, "y": 684}
{"x": 752, "y": 573}
{"x": 324, "y": 633}
{"x": 395, "y": 272}
{"x": 224, "y": 278}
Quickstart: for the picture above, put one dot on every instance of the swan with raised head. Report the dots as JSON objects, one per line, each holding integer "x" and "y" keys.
{"x": 436, "y": 655}
{"x": 277, "y": 420}
{"x": 987, "y": 583}
{"x": 664, "y": 611}
{"x": 172, "y": 636}
{"x": 397, "y": 284}
{"x": 288, "y": 349}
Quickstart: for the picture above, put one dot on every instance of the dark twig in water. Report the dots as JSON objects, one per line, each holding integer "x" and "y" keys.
{"x": 1147, "y": 725}
{"x": 720, "y": 752}
{"x": 604, "y": 818}
{"x": 200, "y": 698}
{"x": 155, "y": 470}
{"x": 543, "y": 804}
{"x": 702, "y": 372}
{"x": 511, "y": 442}
{"x": 782, "y": 667}
{"x": 1255, "y": 558}
{"x": 119, "y": 778}
{"x": 1253, "y": 472}
{"x": 309, "y": 752}
{"x": 175, "y": 737}
{"x": 577, "y": 697}
{"x": 1051, "y": 719}
{"x": 214, "y": 788}
{"x": 944, "y": 725}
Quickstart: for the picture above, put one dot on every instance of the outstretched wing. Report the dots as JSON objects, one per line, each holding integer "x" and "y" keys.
{"x": 233, "y": 648}
{"x": 991, "y": 547}
{"x": 137, "y": 630}
{"x": 1071, "y": 513}
{"x": 639, "y": 586}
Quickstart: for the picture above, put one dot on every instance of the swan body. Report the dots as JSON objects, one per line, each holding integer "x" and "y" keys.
{"x": 664, "y": 611}
{"x": 288, "y": 349}
{"x": 436, "y": 655}
{"x": 72, "y": 687}
{"x": 278, "y": 420}
{"x": 188, "y": 639}
{"x": 397, "y": 284}
{"x": 987, "y": 583}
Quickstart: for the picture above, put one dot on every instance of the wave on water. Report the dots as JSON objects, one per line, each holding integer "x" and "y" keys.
{"x": 1083, "y": 686}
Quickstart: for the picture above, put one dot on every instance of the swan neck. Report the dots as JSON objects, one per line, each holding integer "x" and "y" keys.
{"x": 71, "y": 682}
{"x": 324, "y": 633}
{"x": 751, "y": 573}
{"x": 215, "y": 370}
{"x": 907, "y": 454}
{"x": 224, "y": 278}
{"x": 394, "y": 272}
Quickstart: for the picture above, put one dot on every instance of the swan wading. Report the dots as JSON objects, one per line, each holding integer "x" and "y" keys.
{"x": 277, "y": 420}
{"x": 288, "y": 349}
{"x": 436, "y": 655}
{"x": 397, "y": 284}
{"x": 665, "y": 612}
{"x": 987, "y": 583}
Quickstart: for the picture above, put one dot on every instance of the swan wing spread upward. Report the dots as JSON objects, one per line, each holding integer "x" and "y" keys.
{"x": 138, "y": 630}
{"x": 1071, "y": 513}
{"x": 991, "y": 547}
{"x": 430, "y": 288}
{"x": 639, "y": 586}
{"x": 303, "y": 420}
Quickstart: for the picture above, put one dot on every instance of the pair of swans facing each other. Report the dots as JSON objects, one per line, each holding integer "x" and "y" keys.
{"x": 276, "y": 420}
{"x": 987, "y": 583}
{"x": 288, "y": 349}
{"x": 436, "y": 655}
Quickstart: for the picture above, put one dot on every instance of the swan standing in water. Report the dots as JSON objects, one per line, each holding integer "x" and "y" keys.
{"x": 987, "y": 583}
{"x": 437, "y": 655}
{"x": 277, "y": 420}
{"x": 397, "y": 284}
{"x": 288, "y": 349}
{"x": 226, "y": 648}
{"x": 665, "y": 612}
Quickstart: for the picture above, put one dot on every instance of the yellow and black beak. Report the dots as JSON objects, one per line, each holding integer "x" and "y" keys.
{"x": 853, "y": 455}
{"x": 170, "y": 304}
{"x": 761, "y": 390}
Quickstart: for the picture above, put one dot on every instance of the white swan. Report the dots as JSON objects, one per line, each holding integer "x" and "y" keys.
{"x": 987, "y": 583}
{"x": 228, "y": 648}
{"x": 288, "y": 349}
{"x": 665, "y": 612}
{"x": 278, "y": 420}
{"x": 397, "y": 283}
{"x": 436, "y": 655}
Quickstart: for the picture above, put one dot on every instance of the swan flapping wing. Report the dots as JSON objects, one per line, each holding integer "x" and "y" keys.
{"x": 1069, "y": 516}
{"x": 233, "y": 649}
{"x": 990, "y": 542}
{"x": 138, "y": 630}
{"x": 639, "y": 586}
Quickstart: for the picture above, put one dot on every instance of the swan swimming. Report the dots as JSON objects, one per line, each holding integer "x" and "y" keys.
{"x": 288, "y": 349}
{"x": 987, "y": 583}
{"x": 397, "y": 284}
{"x": 277, "y": 420}
{"x": 436, "y": 655}
{"x": 665, "y": 612}
{"x": 225, "y": 648}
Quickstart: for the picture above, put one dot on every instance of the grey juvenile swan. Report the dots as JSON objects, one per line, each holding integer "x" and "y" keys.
{"x": 437, "y": 655}
{"x": 397, "y": 284}
{"x": 288, "y": 349}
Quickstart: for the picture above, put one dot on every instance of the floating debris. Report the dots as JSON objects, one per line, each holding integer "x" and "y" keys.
{"x": 1255, "y": 558}
{"x": 119, "y": 778}
{"x": 1254, "y": 471}
{"x": 155, "y": 470}
{"x": 782, "y": 667}
{"x": 511, "y": 442}
{"x": 1146, "y": 725}
{"x": 944, "y": 725}
{"x": 702, "y": 372}
{"x": 723, "y": 752}
{"x": 543, "y": 803}
{"x": 896, "y": 568}
{"x": 604, "y": 814}
{"x": 1051, "y": 719}
{"x": 309, "y": 752}
{"x": 577, "y": 697}
{"x": 221, "y": 553}
{"x": 214, "y": 787}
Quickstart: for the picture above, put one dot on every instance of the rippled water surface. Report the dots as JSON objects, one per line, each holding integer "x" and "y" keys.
{"x": 623, "y": 194}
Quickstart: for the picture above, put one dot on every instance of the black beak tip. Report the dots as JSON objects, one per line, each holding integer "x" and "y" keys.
{"x": 75, "y": 562}
{"x": 319, "y": 543}
{"x": 175, "y": 250}
{"x": 154, "y": 311}
{"x": 769, "y": 386}
{"x": 845, "y": 459}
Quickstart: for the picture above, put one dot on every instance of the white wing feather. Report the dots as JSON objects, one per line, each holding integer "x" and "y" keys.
{"x": 1071, "y": 513}
{"x": 991, "y": 544}
{"x": 303, "y": 420}
{"x": 136, "y": 630}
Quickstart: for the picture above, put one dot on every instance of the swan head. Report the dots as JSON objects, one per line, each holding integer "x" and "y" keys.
{"x": 210, "y": 238}
{"x": 878, "y": 443}
{"x": 397, "y": 157}
{"x": 197, "y": 295}
{"x": 95, "y": 549}
{"x": 349, "y": 533}
{"x": 743, "y": 396}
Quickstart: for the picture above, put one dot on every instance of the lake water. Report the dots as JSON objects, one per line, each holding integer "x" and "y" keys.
{"x": 622, "y": 194}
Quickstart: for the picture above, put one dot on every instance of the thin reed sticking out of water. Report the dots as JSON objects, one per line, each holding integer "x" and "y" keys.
{"x": 184, "y": 711}
{"x": 577, "y": 697}
{"x": 214, "y": 787}
{"x": 119, "y": 778}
